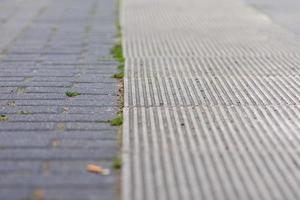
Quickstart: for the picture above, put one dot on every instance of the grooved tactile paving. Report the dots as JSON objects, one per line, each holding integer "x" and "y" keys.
{"x": 212, "y": 103}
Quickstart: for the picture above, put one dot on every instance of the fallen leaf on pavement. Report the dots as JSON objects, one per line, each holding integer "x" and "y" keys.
{"x": 97, "y": 169}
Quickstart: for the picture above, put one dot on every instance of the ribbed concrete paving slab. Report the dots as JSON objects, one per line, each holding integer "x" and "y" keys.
{"x": 211, "y": 102}
{"x": 49, "y": 47}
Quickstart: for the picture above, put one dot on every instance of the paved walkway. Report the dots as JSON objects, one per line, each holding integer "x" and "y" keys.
{"x": 283, "y": 12}
{"x": 211, "y": 103}
{"x": 49, "y": 47}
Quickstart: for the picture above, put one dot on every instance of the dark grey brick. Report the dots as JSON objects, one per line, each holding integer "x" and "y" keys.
{"x": 110, "y": 112}
{"x": 58, "y": 73}
{"x": 34, "y": 126}
{"x": 35, "y": 84}
{"x": 104, "y": 100}
{"x": 99, "y": 78}
{"x": 22, "y": 57}
{"x": 30, "y": 109}
{"x": 11, "y": 194}
{"x": 31, "y": 96}
{"x": 7, "y": 90}
{"x": 61, "y": 58}
{"x": 20, "y": 167}
{"x": 53, "y": 134}
{"x": 105, "y": 153}
{"x": 76, "y": 167}
{"x": 104, "y": 89}
{"x": 46, "y": 89}
{"x": 11, "y": 79}
{"x": 86, "y": 194}
{"x": 57, "y": 181}
{"x": 63, "y": 117}
{"x": 81, "y": 143}
{"x": 89, "y": 126}
{"x": 22, "y": 142}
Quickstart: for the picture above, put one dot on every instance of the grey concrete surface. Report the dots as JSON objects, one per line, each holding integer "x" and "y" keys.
{"x": 211, "y": 102}
{"x": 47, "y": 48}
{"x": 284, "y": 12}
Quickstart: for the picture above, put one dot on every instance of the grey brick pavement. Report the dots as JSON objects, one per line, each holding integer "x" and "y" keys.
{"x": 47, "y": 48}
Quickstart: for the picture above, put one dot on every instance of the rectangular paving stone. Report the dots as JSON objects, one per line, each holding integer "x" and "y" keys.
{"x": 35, "y": 84}
{"x": 30, "y": 110}
{"x": 21, "y": 142}
{"x": 7, "y": 90}
{"x": 21, "y": 126}
{"x": 110, "y": 112}
{"x": 56, "y": 134}
{"x": 10, "y": 193}
{"x": 106, "y": 101}
{"x": 81, "y": 79}
{"x": 81, "y": 180}
{"x": 20, "y": 167}
{"x": 25, "y": 154}
{"x": 93, "y": 194}
{"x": 88, "y": 126}
{"x": 85, "y": 144}
{"x": 63, "y": 117}
{"x": 70, "y": 167}
{"x": 46, "y": 89}
{"x": 3, "y": 79}
{"x": 32, "y": 96}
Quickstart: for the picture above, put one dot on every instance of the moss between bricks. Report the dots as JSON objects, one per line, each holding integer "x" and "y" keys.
{"x": 117, "y": 51}
{"x": 118, "y": 121}
{"x": 72, "y": 94}
{"x": 120, "y": 75}
{"x": 3, "y": 118}
{"x": 117, "y": 163}
{"x": 117, "y": 54}
{"x": 22, "y": 112}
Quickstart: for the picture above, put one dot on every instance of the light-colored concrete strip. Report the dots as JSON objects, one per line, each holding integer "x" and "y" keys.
{"x": 212, "y": 102}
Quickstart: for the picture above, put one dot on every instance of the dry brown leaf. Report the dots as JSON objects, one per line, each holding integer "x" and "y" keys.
{"x": 97, "y": 169}
{"x": 94, "y": 169}
{"x": 38, "y": 194}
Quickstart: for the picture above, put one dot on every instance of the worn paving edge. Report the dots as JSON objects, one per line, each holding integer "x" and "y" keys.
{"x": 117, "y": 52}
{"x": 212, "y": 103}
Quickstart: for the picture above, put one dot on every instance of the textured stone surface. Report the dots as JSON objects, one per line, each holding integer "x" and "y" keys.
{"x": 49, "y": 47}
{"x": 212, "y": 101}
{"x": 283, "y": 12}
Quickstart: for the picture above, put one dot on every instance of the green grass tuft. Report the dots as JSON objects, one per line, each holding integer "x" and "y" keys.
{"x": 118, "y": 121}
{"x": 3, "y": 118}
{"x": 119, "y": 75}
{"x": 121, "y": 67}
{"x": 72, "y": 93}
{"x": 117, "y": 163}
{"x": 117, "y": 52}
{"x": 22, "y": 112}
